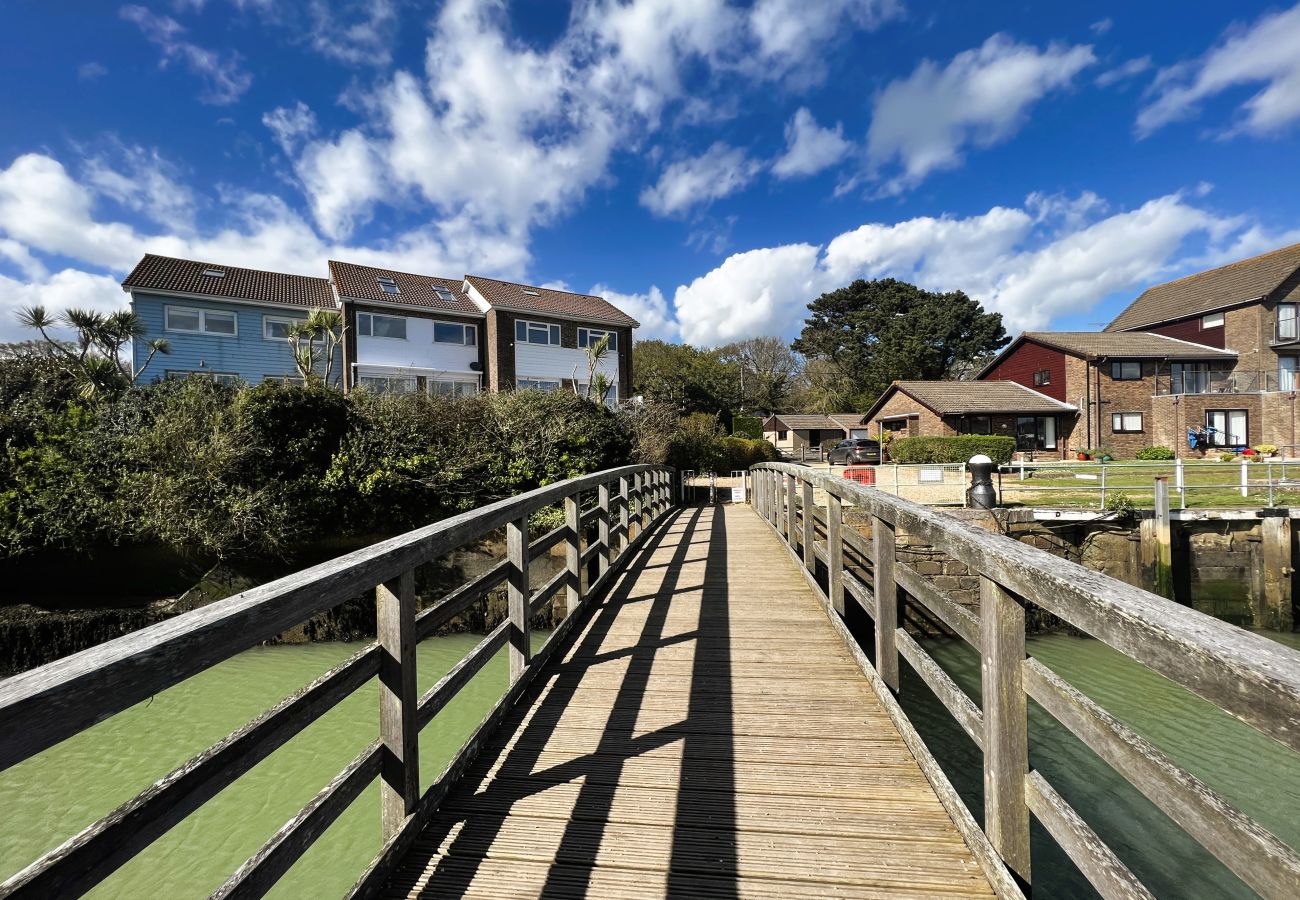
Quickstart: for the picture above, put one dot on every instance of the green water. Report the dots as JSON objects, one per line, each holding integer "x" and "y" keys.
{"x": 50, "y": 797}
{"x": 1256, "y": 774}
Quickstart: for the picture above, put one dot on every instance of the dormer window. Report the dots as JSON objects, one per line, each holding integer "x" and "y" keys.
{"x": 214, "y": 273}
{"x": 387, "y": 285}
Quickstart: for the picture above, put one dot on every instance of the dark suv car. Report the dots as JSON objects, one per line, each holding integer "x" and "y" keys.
{"x": 858, "y": 451}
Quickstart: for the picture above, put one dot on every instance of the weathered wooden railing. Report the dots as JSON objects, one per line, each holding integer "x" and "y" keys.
{"x": 1248, "y": 676}
{"x": 42, "y": 707}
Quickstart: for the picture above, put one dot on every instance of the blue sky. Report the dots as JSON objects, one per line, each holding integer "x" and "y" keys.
{"x": 710, "y": 166}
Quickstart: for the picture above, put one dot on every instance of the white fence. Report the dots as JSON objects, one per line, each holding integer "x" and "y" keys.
{"x": 1265, "y": 482}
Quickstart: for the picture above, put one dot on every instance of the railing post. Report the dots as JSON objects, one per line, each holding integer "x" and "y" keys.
{"x": 809, "y": 528}
{"x": 572, "y": 554}
{"x": 602, "y": 525}
{"x": 1164, "y": 556}
{"x": 1245, "y": 478}
{"x": 643, "y": 506}
{"x": 790, "y": 508}
{"x": 778, "y": 508}
{"x": 1006, "y": 742}
{"x": 517, "y": 582}
{"x": 399, "y": 699}
{"x": 886, "y": 590}
{"x": 835, "y": 551}
{"x": 624, "y": 523}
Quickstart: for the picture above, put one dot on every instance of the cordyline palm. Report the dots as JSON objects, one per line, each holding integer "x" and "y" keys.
{"x": 598, "y": 383}
{"x": 324, "y": 325}
{"x": 98, "y": 344}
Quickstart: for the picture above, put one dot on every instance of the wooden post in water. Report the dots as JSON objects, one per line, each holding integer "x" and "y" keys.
{"x": 517, "y": 583}
{"x": 809, "y": 532}
{"x": 1006, "y": 734}
{"x": 1278, "y": 572}
{"x": 886, "y": 590}
{"x": 399, "y": 700}
{"x": 1163, "y": 537}
{"x": 835, "y": 551}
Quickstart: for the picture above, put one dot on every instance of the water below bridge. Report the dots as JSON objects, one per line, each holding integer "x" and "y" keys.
{"x": 51, "y": 796}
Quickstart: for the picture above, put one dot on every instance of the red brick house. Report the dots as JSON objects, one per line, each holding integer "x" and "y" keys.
{"x": 1112, "y": 379}
{"x": 1248, "y": 308}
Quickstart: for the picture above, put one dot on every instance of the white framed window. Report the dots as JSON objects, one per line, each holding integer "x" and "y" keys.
{"x": 1212, "y": 320}
{"x": 1286, "y": 329}
{"x": 1227, "y": 427}
{"x": 446, "y": 388}
{"x": 191, "y": 320}
{"x": 376, "y": 325}
{"x": 387, "y": 285}
{"x": 444, "y": 294}
{"x": 537, "y": 384}
{"x": 1126, "y": 422}
{"x": 611, "y": 393}
{"x": 388, "y": 384}
{"x": 455, "y": 333}
{"x": 588, "y": 337}
{"x": 537, "y": 333}
{"x": 276, "y": 328}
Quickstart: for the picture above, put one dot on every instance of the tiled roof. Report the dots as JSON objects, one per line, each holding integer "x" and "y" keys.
{"x": 805, "y": 421}
{"x": 1132, "y": 344}
{"x": 185, "y": 276}
{"x": 359, "y": 283}
{"x": 951, "y": 398}
{"x": 847, "y": 421}
{"x": 1204, "y": 292}
{"x": 545, "y": 301}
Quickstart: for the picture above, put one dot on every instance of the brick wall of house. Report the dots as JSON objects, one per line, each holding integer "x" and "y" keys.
{"x": 1172, "y": 415}
{"x": 1111, "y": 396}
{"x": 1025, "y": 361}
{"x": 501, "y": 350}
{"x": 926, "y": 422}
{"x": 1280, "y": 420}
{"x": 1247, "y": 331}
{"x": 624, "y": 363}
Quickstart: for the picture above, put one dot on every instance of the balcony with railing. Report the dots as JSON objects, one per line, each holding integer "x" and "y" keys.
{"x": 1222, "y": 382}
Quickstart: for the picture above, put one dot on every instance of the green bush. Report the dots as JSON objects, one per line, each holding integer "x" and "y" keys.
{"x": 951, "y": 449}
{"x": 744, "y": 452}
{"x": 747, "y": 427}
{"x": 1155, "y": 453}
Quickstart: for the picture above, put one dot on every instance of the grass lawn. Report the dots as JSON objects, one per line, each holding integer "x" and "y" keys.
{"x": 1207, "y": 484}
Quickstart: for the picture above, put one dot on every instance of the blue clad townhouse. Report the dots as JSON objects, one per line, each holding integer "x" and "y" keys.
{"x": 223, "y": 322}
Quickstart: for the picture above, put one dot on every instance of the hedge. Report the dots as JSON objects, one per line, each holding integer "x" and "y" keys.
{"x": 747, "y": 427}
{"x": 951, "y": 449}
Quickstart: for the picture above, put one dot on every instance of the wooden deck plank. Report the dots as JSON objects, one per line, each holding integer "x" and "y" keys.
{"x": 706, "y": 735}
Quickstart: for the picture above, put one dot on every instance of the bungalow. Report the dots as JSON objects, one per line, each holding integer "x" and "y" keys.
{"x": 1040, "y": 424}
{"x": 223, "y": 322}
{"x": 794, "y": 433}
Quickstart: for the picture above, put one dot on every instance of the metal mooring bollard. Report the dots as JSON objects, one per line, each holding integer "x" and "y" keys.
{"x": 982, "y": 494}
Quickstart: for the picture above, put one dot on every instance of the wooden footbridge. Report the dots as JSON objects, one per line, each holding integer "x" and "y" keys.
{"x": 708, "y": 720}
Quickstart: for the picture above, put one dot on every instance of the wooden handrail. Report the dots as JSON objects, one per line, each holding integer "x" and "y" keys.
{"x": 47, "y": 705}
{"x": 1248, "y": 676}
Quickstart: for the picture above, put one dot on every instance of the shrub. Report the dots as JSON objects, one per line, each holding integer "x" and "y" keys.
{"x": 1266, "y": 449}
{"x": 952, "y": 448}
{"x": 1227, "y": 457}
{"x": 747, "y": 427}
{"x": 743, "y": 452}
{"x": 1155, "y": 453}
{"x": 1121, "y": 504}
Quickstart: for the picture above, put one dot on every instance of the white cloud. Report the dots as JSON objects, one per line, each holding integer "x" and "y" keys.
{"x": 1052, "y": 257}
{"x": 924, "y": 121}
{"x": 56, "y": 293}
{"x": 291, "y": 125}
{"x": 809, "y": 147}
{"x": 354, "y": 32}
{"x": 698, "y": 181}
{"x": 1268, "y": 52}
{"x": 225, "y": 80}
{"x": 794, "y": 34}
{"x": 141, "y": 180}
{"x": 1101, "y": 26}
{"x": 650, "y": 309}
{"x": 90, "y": 71}
{"x": 1124, "y": 71}
{"x": 752, "y": 293}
